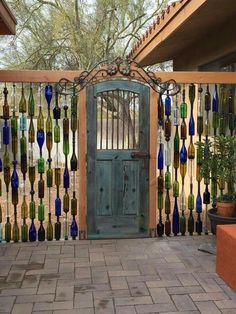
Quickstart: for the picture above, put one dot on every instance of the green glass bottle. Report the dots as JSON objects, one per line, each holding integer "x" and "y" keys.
{"x": 24, "y": 215}
{"x": 57, "y": 136}
{"x": 192, "y": 91}
{"x": 49, "y": 139}
{"x": 167, "y": 212}
{"x": 66, "y": 133}
{"x": 183, "y": 110}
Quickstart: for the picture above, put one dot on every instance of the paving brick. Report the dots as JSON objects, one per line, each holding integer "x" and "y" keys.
{"x": 133, "y": 300}
{"x": 124, "y": 273}
{"x": 142, "y": 278}
{"x": 163, "y": 283}
{"x": 187, "y": 280}
{"x": 125, "y": 310}
{"x": 62, "y": 305}
{"x": 209, "y": 296}
{"x": 82, "y": 272}
{"x": 185, "y": 290}
{"x": 25, "y": 308}
{"x": 47, "y": 286}
{"x": 111, "y": 294}
{"x": 42, "y": 312}
{"x": 226, "y": 304}
{"x": 15, "y": 275}
{"x": 209, "y": 285}
{"x": 74, "y": 311}
{"x": 138, "y": 289}
{"x": 183, "y": 302}
{"x": 26, "y": 291}
{"x": 100, "y": 277}
{"x": 91, "y": 287}
{"x": 118, "y": 283}
{"x": 207, "y": 307}
{"x": 66, "y": 268}
{"x": 155, "y": 308}
{"x": 64, "y": 293}
{"x": 104, "y": 306}
{"x": 83, "y": 300}
{"x": 160, "y": 295}
{"x": 6, "y": 303}
{"x": 35, "y": 298}
{"x": 30, "y": 281}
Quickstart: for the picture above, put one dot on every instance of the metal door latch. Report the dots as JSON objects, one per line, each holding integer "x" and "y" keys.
{"x": 140, "y": 155}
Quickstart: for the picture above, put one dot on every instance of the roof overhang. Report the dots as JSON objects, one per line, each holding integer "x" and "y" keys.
{"x": 179, "y": 27}
{"x": 7, "y": 20}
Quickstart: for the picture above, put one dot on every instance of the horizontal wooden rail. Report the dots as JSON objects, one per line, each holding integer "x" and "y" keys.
{"x": 47, "y": 76}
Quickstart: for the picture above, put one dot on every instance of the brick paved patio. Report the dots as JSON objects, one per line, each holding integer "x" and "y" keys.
{"x": 112, "y": 276}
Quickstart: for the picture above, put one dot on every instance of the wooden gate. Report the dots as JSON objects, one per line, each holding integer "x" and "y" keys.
{"x": 117, "y": 159}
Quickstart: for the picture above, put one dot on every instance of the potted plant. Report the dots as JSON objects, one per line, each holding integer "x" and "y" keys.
{"x": 218, "y": 166}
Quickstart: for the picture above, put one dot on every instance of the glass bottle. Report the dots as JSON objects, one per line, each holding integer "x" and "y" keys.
{"x": 200, "y": 113}
{"x": 176, "y": 149}
{"x": 160, "y": 110}
{"x": 182, "y": 209}
{"x": 24, "y": 215}
{"x": 167, "y": 212}
{"x": 215, "y": 110}
{"x": 207, "y": 99}
{"x": 160, "y": 159}
{"x": 175, "y": 226}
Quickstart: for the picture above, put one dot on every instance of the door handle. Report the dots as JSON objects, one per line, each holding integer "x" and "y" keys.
{"x": 140, "y": 155}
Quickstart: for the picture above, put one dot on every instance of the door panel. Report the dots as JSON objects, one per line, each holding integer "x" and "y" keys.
{"x": 130, "y": 184}
{"x": 118, "y": 125}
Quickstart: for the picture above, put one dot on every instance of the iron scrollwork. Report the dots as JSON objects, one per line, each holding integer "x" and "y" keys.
{"x": 124, "y": 68}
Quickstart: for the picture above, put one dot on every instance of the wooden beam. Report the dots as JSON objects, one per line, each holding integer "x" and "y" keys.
{"x": 82, "y": 166}
{"x": 152, "y": 164}
{"x": 185, "y": 11}
{"x": 36, "y": 76}
{"x": 8, "y": 20}
{"x": 27, "y": 76}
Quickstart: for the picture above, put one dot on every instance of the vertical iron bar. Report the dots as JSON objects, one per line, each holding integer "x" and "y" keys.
{"x": 101, "y": 121}
{"x": 128, "y": 113}
{"x": 118, "y": 118}
{"x": 123, "y": 110}
{"x": 112, "y": 120}
{"x": 107, "y": 123}
{"x": 134, "y": 137}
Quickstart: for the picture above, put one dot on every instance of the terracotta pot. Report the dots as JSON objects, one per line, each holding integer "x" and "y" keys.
{"x": 226, "y": 209}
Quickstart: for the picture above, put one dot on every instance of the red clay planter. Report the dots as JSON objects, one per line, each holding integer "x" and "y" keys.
{"x": 226, "y": 254}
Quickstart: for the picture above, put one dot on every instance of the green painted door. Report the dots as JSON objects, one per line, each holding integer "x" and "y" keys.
{"x": 117, "y": 159}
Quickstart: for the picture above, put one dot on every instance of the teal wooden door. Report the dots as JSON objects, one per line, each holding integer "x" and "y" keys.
{"x": 117, "y": 159}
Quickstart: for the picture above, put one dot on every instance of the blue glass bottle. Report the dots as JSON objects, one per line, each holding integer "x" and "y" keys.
{"x": 32, "y": 232}
{"x": 199, "y": 203}
{"x": 66, "y": 178}
{"x": 160, "y": 158}
{"x": 183, "y": 154}
{"x": 6, "y": 133}
{"x": 74, "y": 229}
{"x": 14, "y": 177}
{"x": 40, "y": 138}
{"x": 175, "y": 223}
{"x": 215, "y": 102}
{"x": 58, "y": 206}
{"x": 191, "y": 126}
{"x": 48, "y": 94}
{"x": 168, "y": 105}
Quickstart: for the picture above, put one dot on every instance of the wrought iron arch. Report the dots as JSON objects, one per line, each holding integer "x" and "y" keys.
{"x": 118, "y": 68}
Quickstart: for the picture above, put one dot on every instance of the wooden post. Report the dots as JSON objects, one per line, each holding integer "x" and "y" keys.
{"x": 82, "y": 166}
{"x": 152, "y": 164}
